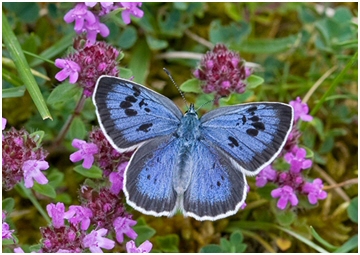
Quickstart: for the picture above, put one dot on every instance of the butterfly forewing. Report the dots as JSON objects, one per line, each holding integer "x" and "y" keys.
{"x": 130, "y": 113}
{"x": 251, "y": 134}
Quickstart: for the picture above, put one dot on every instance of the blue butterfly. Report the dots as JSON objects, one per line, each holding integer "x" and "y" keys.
{"x": 183, "y": 162}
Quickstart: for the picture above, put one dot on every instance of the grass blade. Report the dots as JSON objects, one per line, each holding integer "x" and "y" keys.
{"x": 13, "y": 46}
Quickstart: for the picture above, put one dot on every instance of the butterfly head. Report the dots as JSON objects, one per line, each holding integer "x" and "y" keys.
{"x": 191, "y": 111}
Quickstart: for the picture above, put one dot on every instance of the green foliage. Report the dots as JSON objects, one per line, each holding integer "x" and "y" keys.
{"x": 168, "y": 243}
{"x": 234, "y": 245}
{"x": 352, "y": 210}
{"x": 93, "y": 172}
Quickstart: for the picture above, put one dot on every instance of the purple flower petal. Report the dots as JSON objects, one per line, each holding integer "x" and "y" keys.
{"x": 86, "y": 151}
{"x": 145, "y": 247}
{"x": 56, "y": 212}
{"x": 123, "y": 226}
{"x": 96, "y": 240}
{"x": 31, "y": 169}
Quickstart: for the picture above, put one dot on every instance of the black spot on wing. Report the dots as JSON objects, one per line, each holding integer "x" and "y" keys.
{"x": 233, "y": 142}
{"x": 258, "y": 125}
{"x": 136, "y": 90}
{"x": 252, "y": 108}
{"x": 145, "y": 127}
{"x": 130, "y": 112}
{"x": 130, "y": 99}
{"x": 243, "y": 119}
{"x": 125, "y": 104}
{"x": 252, "y": 132}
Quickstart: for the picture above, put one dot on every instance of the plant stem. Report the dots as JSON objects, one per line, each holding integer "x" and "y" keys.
{"x": 68, "y": 122}
{"x": 33, "y": 200}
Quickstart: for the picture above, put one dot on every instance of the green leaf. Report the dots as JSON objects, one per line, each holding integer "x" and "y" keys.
{"x": 168, "y": 243}
{"x": 350, "y": 244}
{"x": 253, "y": 81}
{"x": 27, "y": 12}
{"x": 63, "y": 93}
{"x": 321, "y": 240}
{"x": 45, "y": 189}
{"x": 128, "y": 37}
{"x": 93, "y": 172}
{"x": 144, "y": 233}
{"x": 225, "y": 245}
{"x": 211, "y": 248}
{"x": 125, "y": 73}
{"x": 266, "y": 46}
{"x": 13, "y": 92}
{"x": 37, "y": 136}
{"x": 303, "y": 239}
{"x": 140, "y": 61}
{"x": 192, "y": 85}
{"x": 55, "y": 178}
{"x": 35, "y": 248}
{"x": 286, "y": 218}
{"x": 233, "y": 33}
{"x": 77, "y": 129}
{"x": 7, "y": 241}
{"x": 236, "y": 237}
{"x": 8, "y": 204}
{"x": 55, "y": 49}
{"x": 23, "y": 68}
{"x": 156, "y": 44}
{"x": 352, "y": 210}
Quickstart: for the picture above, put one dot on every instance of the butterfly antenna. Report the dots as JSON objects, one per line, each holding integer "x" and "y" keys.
{"x": 181, "y": 93}
{"x": 204, "y": 104}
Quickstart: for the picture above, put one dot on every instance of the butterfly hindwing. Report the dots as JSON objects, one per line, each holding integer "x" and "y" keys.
{"x": 251, "y": 134}
{"x": 216, "y": 189}
{"x": 130, "y": 113}
{"x": 148, "y": 177}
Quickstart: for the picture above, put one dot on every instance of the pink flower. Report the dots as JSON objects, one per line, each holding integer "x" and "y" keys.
{"x": 78, "y": 214}
{"x": 297, "y": 159}
{"x": 32, "y": 171}
{"x": 130, "y": 9}
{"x": 301, "y": 110}
{"x": 123, "y": 226}
{"x": 222, "y": 71}
{"x": 80, "y": 14}
{"x": 56, "y": 212}
{"x": 18, "y": 250}
{"x": 92, "y": 29}
{"x": 96, "y": 240}
{"x": 314, "y": 191}
{"x": 286, "y": 194}
{"x": 117, "y": 178}
{"x": 70, "y": 68}
{"x": 267, "y": 174}
{"x": 6, "y": 232}
{"x": 145, "y": 247}
{"x": 86, "y": 152}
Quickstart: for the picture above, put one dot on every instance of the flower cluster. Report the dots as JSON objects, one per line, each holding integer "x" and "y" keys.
{"x": 103, "y": 213}
{"x": 87, "y": 64}
{"x": 291, "y": 183}
{"x": 222, "y": 71}
{"x": 100, "y": 151}
{"x": 88, "y": 20}
{"x": 6, "y": 231}
{"x": 23, "y": 159}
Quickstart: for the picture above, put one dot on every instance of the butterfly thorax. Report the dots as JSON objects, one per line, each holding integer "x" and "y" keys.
{"x": 188, "y": 130}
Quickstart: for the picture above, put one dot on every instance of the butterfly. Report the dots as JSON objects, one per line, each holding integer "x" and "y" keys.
{"x": 183, "y": 162}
